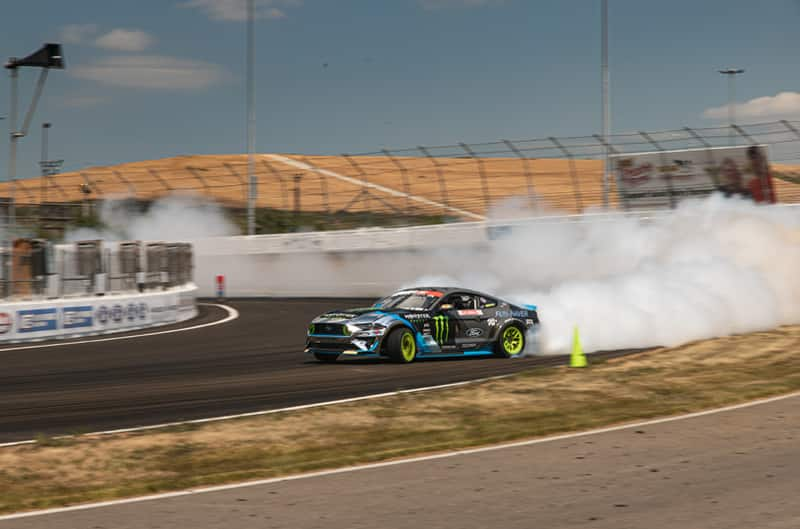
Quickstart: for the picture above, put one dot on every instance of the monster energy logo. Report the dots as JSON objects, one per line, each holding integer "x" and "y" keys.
{"x": 442, "y": 328}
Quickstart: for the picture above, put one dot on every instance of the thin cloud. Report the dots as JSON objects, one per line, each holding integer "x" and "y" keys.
{"x": 779, "y": 105}
{"x": 77, "y": 33}
{"x": 155, "y": 72}
{"x": 431, "y": 5}
{"x": 236, "y": 10}
{"x": 83, "y": 101}
{"x": 120, "y": 39}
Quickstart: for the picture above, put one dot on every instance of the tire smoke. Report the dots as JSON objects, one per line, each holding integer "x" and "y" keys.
{"x": 711, "y": 267}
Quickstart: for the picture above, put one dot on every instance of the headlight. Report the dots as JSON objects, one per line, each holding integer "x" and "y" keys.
{"x": 368, "y": 329}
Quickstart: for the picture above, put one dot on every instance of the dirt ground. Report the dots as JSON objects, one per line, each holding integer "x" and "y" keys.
{"x": 470, "y": 184}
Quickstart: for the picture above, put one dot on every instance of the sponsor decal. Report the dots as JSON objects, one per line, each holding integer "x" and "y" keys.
{"x": 442, "y": 328}
{"x": 35, "y": 320}
{"x": 102, "y": 314}
{"x": 470, "y": 312}
{"x": 75, "y": 317}
{"x": 492, "y": 322}
{"x": 117, "y": 313}
{"x": 417, "y": 316}
{"x": 339, "y": 316}
{"x": 132, "y": 311}
{"x": 6, "y": 322}
{"x": 512, "y": 314}
{"x": 529, "y": 323}
{"x": 474, "y": 332}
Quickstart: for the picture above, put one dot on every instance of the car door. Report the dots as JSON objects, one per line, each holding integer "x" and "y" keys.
{"x": 444, "y": 324}
{"x": 472, "y": 324}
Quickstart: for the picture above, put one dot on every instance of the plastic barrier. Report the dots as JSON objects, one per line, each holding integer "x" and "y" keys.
{"x": 87, "y": 316}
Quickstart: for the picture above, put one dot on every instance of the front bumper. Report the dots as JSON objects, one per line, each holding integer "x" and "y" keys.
{"x": 343, "y": 345}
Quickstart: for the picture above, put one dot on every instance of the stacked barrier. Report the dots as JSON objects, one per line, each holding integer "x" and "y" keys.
{"x": 93, "y": 287}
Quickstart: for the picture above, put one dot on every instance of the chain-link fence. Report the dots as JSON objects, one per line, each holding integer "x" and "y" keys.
{"x": 401, "y": 186}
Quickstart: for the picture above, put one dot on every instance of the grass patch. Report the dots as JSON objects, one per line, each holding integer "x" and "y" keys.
{"x": 539, "y": 402}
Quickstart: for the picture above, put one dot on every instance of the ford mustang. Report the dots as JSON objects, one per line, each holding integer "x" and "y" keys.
{"x": 423, "y": 322}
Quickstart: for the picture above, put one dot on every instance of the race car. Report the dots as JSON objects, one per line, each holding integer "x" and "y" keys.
{"x": 423, "y": 322}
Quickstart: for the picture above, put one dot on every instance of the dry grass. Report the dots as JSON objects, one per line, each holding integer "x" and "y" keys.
{"x": 534, "y": 403}
{"x": 457, "y": 182}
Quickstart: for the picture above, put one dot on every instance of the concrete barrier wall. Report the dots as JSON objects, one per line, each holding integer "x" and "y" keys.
{"x": 93, "y": 315}
{"x": 361, "y": 263}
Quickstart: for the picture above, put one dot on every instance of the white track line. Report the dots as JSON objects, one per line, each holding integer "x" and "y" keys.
{"x": 363, "y": 183}
{"x": 232, "y": 315}
{"x": 370, "y": 466}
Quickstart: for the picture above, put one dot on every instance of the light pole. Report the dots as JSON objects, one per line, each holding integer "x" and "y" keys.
{"x": 43, "y": 163}
{"x": 605, "y": 97}
{"x": 252, "y": 190}
{"x": 731, "y": 73}
{"x": 46, "y": 58}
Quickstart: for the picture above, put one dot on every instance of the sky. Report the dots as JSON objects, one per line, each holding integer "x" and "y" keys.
{"x": 158, "y": 78}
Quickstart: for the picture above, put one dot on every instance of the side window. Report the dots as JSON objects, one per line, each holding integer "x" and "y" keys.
{"x": 486, "y": 303}
{"x": 462, "y": 301}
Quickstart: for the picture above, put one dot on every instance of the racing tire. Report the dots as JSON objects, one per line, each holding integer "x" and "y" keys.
{"x": 401, "y": 346}
{"x": 326, "y": 358}
{"x": 510, "y": 341}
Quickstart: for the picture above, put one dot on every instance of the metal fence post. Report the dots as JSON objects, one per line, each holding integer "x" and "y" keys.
{"x": 195, "y": 173}
{"x": 242, "y": 181}
{"x": 481, "y": 173}
{"x": 157, "y": 176}
{"x": 404, "y": 177}
{"x": 281, "y": 183}
{"x": 439, "y": 173}
{"x": 526, "y": 169}
{"x": 131, "y": 187}
{"x": 664, "y": 164}
{"x": 576, "y": 186}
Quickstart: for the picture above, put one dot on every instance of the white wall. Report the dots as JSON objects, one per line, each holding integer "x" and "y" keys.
{"x": 92, "y": 315}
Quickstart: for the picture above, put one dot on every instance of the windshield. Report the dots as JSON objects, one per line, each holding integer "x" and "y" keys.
{"x": 417, "y": 299}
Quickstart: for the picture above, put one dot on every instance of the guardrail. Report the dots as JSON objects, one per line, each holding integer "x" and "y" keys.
{"x": 22, "y": 321}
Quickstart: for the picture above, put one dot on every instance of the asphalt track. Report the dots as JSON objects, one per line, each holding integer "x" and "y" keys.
{"x": 252, "y": 363}
{"x": 730, "y": 469}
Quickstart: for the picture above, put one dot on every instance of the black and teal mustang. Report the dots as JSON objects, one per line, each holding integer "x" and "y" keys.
{"x": 424, "y": 322}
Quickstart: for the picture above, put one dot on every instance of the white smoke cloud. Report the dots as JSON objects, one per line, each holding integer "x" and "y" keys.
{"x": 176, "y": 218}
{"x": 712, "y": 267}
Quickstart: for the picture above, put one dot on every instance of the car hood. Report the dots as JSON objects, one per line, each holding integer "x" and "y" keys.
{"x": 362, "y": 315}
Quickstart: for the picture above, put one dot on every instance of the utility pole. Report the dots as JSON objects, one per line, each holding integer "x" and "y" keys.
{"x": 252, "y": 191}
{"x": 731, "y": 73}
{"x": 43, "y": 165}
{"x": 606, "y": 100}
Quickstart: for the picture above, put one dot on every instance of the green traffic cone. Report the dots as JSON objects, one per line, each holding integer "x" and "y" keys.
{"x": 577, "y": 358}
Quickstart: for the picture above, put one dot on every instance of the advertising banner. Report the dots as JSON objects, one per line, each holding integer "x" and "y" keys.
{"x": 654, "y": 180}
{"x": 63, "y": 318}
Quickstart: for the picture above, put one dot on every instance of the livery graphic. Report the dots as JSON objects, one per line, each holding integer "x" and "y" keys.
{"x": 424, "y": 322}
{"x": 442, "y": 328}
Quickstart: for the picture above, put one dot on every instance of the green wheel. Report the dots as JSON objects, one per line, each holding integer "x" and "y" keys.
{"x": 401, "y": 347}
{"x": 511, "y": 341}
